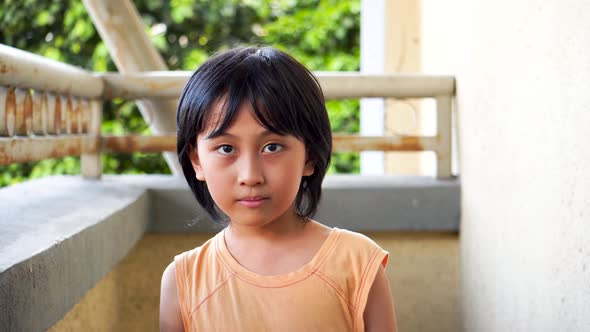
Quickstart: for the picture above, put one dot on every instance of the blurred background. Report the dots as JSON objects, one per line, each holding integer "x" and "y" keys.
{"x": 322, "y": 34}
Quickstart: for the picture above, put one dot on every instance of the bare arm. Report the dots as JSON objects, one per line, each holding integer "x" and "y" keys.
{"x": 379, "y": 313}
{"x": 170, "y": 316}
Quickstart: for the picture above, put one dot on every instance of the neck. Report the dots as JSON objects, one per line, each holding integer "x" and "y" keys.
{"x": 277, "y": 230}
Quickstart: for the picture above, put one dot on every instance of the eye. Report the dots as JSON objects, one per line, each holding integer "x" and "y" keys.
{"x": 272, "y": 148}
{"x": 226, "y": 149}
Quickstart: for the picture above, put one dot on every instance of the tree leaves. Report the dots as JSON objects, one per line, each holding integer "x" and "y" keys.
{"x": 322, "y": 34}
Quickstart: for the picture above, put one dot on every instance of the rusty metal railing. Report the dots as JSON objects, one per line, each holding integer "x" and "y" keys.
{"x": 49, "y": 109}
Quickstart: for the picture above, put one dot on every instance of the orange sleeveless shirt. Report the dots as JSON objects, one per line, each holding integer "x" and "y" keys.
{"x": 329, "y": 293}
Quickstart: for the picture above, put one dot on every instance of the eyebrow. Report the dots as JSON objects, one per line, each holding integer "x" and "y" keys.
{"x": 264, "y": 133}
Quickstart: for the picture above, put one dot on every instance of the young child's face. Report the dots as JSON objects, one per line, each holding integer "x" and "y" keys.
{"x": 252, "y": 174}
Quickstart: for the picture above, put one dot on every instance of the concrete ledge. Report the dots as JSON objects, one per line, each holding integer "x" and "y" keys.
{"x": 60, "y": 235}
{"x": 391, "y": 203}
{"x": 361, "y": 203}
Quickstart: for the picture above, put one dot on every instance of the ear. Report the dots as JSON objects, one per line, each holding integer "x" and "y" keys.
{"x": 193, "y": 155}
{"x": 309, "y": 167}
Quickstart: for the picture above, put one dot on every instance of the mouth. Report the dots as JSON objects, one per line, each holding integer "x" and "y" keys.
{"x": 253, "y": 201}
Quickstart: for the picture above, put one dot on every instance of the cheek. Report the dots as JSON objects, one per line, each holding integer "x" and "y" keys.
{"x": 286, "y": 179}
{"x": 217, "y": 177}
{"x": 220, "y": 188}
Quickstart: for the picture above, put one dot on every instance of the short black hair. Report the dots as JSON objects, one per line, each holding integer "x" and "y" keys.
{"x": 286, "y": 99}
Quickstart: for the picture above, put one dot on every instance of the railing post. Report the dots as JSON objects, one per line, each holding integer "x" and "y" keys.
{"x": 443, "y": 136}
{"x": 3, "y": 107}
{"x": 39, "y": 113}
{"x": 7, "y": 123}
{"x": 91, "y": 164}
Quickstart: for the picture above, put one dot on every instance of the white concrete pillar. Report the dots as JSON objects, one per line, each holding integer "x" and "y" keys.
{"x": 390, "y": 43}
{"x": 372, "y": 62}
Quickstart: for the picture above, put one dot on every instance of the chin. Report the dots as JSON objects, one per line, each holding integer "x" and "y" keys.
{"x": 255, "y": 220}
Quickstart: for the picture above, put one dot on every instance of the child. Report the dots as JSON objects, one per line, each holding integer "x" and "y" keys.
{"x": 254, "y": 142}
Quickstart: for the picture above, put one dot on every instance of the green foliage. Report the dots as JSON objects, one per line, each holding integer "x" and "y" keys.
{"x": 322, "y": 34}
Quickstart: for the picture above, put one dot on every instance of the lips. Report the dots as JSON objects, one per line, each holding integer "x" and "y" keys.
{"x": 252, "y": 198}
{"x": 252, "y": 201}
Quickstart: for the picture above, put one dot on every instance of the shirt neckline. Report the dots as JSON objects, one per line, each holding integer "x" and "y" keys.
{"x": 281, "y": 280}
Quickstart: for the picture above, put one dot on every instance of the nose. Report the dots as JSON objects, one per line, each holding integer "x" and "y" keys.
{"x": 250, "y": 171}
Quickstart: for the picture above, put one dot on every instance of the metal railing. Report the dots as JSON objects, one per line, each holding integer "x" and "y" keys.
{"x": 49, "y": 109}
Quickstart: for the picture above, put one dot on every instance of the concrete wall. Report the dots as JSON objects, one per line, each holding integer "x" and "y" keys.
{"x": 58, "y": 237}
{"x": 523, "y": 71}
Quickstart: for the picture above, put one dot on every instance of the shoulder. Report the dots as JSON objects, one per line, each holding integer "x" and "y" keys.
{"x": 355, "y": 237}
{"x": 169, "y": 289}
{"x": 365, "y": 261}
{"x": 170, "y": 311}
{"x": 192, "y": 261}
{"x": 169, "y": 280}
{"x": 358, "y": 253}
{"x": 179, "y": 280}
{"x": 197, "y": 272}
{"x": 360, "y": 246}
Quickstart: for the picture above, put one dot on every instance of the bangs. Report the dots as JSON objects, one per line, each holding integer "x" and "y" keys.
{"x": 253, "y": 82}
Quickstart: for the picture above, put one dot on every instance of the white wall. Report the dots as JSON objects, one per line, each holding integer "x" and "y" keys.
{"x": 523, "y": 75}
